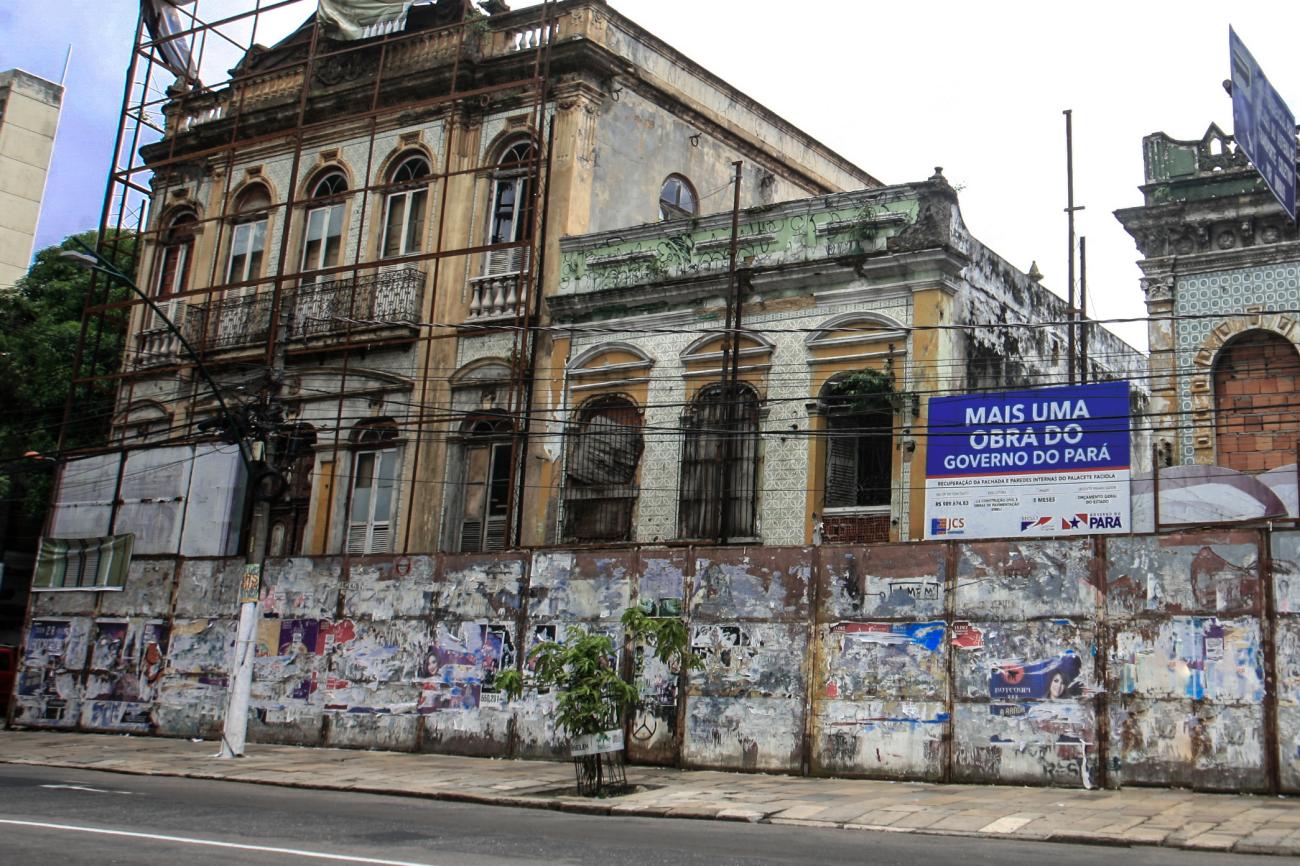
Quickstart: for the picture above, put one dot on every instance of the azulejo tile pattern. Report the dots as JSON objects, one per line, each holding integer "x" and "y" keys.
{"x": 1272, "y": 287}
{"x": 783, "y": 474}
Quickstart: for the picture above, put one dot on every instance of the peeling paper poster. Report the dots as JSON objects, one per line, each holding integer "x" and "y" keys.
{"x": 1049, "y": 679}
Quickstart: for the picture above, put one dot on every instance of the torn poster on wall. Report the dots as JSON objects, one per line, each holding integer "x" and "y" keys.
{"x": 127, "y": 662}
{"x": 1046, "y": 679}
{"x": 461, "y": 667}
{"x": 45, "y": 681}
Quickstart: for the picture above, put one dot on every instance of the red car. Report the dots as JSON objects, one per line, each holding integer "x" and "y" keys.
{"x": 8, "y": 664}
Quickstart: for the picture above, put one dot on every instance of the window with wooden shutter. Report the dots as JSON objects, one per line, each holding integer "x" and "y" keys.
{"x": 511, "y": 217}
{"x": 859, "y": 459}
{"x": 373, "y": 495}
{"x": 486, "y": 495}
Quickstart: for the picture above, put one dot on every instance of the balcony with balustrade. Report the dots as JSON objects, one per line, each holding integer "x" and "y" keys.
{"x": 371, "y": 306}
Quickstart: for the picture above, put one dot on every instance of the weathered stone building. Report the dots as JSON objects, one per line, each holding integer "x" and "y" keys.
{"x": 1221, "y": 272}
{"x": 885, "y": 283}
{"x": 387, "y": 214}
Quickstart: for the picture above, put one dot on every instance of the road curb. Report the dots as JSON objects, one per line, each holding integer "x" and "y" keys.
{"x": 610, "y": 808}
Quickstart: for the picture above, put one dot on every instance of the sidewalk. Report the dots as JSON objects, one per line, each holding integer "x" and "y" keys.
{"x": 1135, "y": 816}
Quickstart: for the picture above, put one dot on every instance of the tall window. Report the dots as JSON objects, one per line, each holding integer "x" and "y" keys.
{"x": 374, "y": 488}
{"x": 677, "y": 199}
{"x": 859, "y": 448}
{"x": 486, "y": 498}
{"x": 248, "y": 235}
{"x": 323, "y": 237}
{"x": 296, "y": 449}
{"x": 404, "y": 208}
{"x": 511, "y": 219}
{"x": 599, "y": 490}
{"x": 175, "y": 248}
{"x": 719, "y": 481}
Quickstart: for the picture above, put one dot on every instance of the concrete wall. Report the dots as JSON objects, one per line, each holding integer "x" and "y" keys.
{"x": 1133, "y": 660}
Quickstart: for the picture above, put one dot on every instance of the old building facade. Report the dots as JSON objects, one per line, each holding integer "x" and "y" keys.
{"x": 1220, "y": 264}
{"x": 370, "y": 226}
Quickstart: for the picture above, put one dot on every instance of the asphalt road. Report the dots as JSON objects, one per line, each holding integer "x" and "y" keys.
{"x": 53, "y": 817}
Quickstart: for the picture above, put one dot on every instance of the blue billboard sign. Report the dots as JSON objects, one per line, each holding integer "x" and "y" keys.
{"x": 1044, "y": 461}
{"x": 1262, "y": 124}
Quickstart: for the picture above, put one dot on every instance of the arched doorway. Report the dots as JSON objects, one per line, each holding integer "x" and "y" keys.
{"x": 1255, "y": 410}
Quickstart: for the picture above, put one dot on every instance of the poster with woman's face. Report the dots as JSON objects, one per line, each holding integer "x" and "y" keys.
{"x": 1045, "y": 680}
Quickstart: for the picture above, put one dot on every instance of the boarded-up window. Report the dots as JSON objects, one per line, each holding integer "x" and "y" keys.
{"x": 719, "y": 481}
{"x": 83, "y": 563}
{"x": 600, "y": 491}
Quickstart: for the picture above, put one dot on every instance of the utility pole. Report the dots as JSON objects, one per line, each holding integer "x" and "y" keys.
{"x": 1083, "y": 310}
{"x": 1069, "y": 210}
{"x": 234, "y": 732}
{"x": 730, "y": 353}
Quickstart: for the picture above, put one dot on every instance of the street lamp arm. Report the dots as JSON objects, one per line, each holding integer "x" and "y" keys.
{"x": 93, "y": 261}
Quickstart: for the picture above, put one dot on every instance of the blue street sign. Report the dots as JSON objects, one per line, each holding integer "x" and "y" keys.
{"x": 1262, "y": 124}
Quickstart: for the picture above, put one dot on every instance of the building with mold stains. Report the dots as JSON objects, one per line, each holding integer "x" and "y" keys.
{"x": 384, "y": 215}
{"x": 885, "y": 280}
{"x": 1221, "y": 272}
{"x": 412, "y": 249}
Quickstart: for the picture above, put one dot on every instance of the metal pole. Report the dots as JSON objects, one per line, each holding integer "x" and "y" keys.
{"x": 730, "y": 349}
{"x": 1083, "y": 310}
{"x": 1069, "y": 210}
{"x": 1155, "y": 487}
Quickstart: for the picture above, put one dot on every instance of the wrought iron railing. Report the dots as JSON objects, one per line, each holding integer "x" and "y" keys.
{"x": 383, "y": 299}
{"x": 389, "y": 297}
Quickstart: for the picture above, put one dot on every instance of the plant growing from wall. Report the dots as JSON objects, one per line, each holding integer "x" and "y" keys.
{"x": 866, "y": 391}
{"x": 591, "y": 696}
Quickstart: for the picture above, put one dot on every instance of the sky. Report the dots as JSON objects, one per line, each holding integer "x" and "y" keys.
{"x": 897, "y": 88}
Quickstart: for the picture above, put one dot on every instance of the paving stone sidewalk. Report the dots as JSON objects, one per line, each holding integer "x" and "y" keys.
{"x": 1135, "y": 816}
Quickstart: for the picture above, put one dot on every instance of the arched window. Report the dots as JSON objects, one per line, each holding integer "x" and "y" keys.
{"x": 677, "y": 199}
{"x": 296, "y": 451}
{"x": 859, "y": 440}
{"x": 1256, "y": 418}
{"x": 373, "y": 496}
{"x": 404, "y": 208}
{"x": 175, "y": 248}
{"x": 486, "y": 497}
{"x": 322, "y": 239}
{"x": 511, "y": 218}
{"x": 605, "y": 448}
{"x": 248, "y": 236}
{"x": 719, "y": 481}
